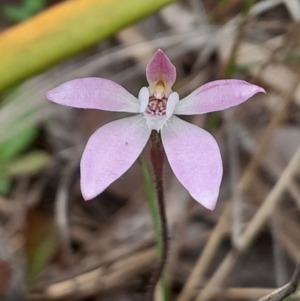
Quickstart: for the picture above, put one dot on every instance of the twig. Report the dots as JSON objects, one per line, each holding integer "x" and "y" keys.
{"x": 286, "y": 290}
{"x": 246, "y": 293}
{"x": 288, "y": 234}
{"x": 279, "y": 254}
{"x": 61, "y": 209}
{"x": 234, "y": 174}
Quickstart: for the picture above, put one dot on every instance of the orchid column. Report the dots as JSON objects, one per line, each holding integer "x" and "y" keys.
{"x": 192, "y": 152}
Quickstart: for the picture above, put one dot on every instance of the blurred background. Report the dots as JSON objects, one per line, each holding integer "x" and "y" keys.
{"x": 55, "y": 246}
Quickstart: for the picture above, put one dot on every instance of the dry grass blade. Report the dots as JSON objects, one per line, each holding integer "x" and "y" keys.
{"x": 205, "y": 258}
{"x": 216, "y": 282}
{"x": 99, "y": 280}
{"x": 267, "y": 134}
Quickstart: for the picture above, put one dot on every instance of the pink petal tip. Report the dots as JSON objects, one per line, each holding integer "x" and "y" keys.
{"x": 160, "y": 68}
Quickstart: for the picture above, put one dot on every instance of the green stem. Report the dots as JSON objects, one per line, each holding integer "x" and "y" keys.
{"x": 152, "y": 205}
{"x": 158, "y": 214}
{"x": 156, "y": 222}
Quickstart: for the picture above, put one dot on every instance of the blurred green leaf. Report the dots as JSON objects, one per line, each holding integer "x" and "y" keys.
{"x": 212, "y": 121}
{"x": 9, "y": 95}
{"x": 64, "y": 30}
{"x": 247, "y": 4}
{"x": 245, "y": 67}
{"x": 40, "y": 255}
{"x": 18, "y": 13}
{"x": 40, "y": 243}
{"x": 28, "y": 164}
{"x": 14, "y": 14}
{"x": 13, "y": 160}
{"x": 35, "y": 5}
{"x": 294, "y": 58}
{"x": 12, "y": 147}
{"x": 5, "y": 184}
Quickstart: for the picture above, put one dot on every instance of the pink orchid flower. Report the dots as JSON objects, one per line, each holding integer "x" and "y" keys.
{"x": 192, "y": 152}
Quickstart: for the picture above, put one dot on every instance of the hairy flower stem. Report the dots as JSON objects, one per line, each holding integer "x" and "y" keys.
{"x": 157, "y": 159}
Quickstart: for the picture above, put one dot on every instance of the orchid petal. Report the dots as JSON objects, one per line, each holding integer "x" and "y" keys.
{"x": 94, "y": 93}
{"x": 195, "y": 159}
{"x": 110, "y": 152}
{"x": 215, "y": 96}
{"x": 144, "y": 99}
{"x": 171, "y": 103}
{"x": 160, "y": 68}
{"x": 155, "y": 122}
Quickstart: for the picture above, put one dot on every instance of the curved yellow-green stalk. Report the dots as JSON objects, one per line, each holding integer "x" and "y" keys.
{"x": 64, "y": 30}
